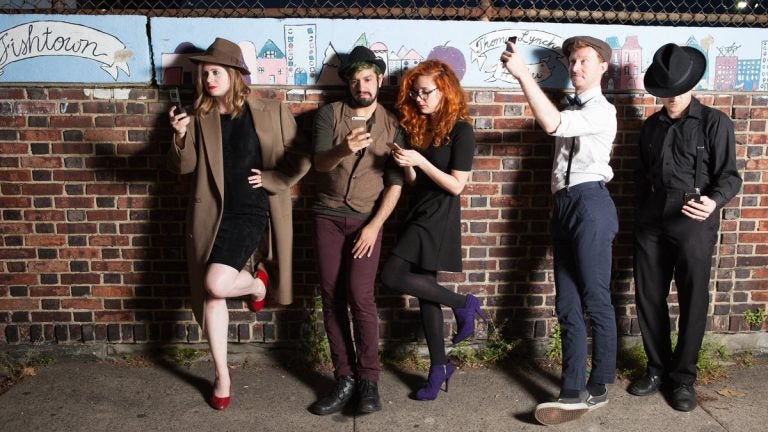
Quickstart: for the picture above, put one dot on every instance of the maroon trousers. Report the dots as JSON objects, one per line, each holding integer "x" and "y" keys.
{"x": 347, "y": 287}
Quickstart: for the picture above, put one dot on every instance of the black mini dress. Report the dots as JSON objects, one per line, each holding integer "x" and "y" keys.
{"x": 245, "y": 209}
{"x": 431, "y": 237}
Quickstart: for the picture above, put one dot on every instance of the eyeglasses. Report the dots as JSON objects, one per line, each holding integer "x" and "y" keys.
{"x": 421, "y": 94}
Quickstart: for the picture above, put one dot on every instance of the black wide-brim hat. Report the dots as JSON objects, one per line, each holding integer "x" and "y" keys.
{"x": 674, "y": 71}
{"x": 225, "y": 53}
{"x": 361, "y": 54}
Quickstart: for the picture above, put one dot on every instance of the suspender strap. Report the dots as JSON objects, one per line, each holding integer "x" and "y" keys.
{"x": 697, "y": 174}
{"x": 570, "y": 159}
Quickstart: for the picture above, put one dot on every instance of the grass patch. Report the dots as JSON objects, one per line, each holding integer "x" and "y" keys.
{"x": 314, "y": 342}
{"x": 493, "y": 351}
{"x": 17, "y": 368}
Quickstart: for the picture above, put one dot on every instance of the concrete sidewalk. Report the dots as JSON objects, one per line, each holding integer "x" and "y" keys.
{"x": 82, "y": 395}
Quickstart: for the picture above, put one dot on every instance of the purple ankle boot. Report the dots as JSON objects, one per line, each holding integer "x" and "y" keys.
{"x": 437, "y": 375}
{"x": 465, "y": 318}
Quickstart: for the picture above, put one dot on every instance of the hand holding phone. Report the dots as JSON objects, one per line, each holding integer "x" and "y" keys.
{"x": 695, "y": 196}
{"x": 176, "y": 101}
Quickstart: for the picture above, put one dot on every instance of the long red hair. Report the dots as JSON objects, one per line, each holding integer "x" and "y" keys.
{"x": 452, "y": 107}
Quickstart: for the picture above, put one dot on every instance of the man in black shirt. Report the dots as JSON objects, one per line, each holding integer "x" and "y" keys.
{"x": 687, "y": 173}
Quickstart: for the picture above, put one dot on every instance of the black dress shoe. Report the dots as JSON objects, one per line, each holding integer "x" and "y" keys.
{"x": 646, "y": 385}
{"x": 368, "y": 392}
{"x": 684, "y": 398}
{"x": 337, "y": 400}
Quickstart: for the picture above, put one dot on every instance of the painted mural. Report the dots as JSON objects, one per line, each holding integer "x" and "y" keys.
{"x": 74, "y": 49}
{"x": 308, "y": 52}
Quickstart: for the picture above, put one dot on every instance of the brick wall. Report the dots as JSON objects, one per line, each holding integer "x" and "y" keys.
{"x": 91, "y": 225}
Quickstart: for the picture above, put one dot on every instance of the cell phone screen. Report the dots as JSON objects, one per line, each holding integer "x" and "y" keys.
{"x": 512, "y": 39}
{"x": 176, "y": 101}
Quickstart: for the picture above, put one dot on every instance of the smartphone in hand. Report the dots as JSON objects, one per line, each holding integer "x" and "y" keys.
{"x": 359, "y": 122}
{"x": 176, "y": 101}
{"x": 393, "y": 146}
{"x": 512, "y": 39}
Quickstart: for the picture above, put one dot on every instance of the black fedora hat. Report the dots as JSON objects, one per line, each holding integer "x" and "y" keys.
{"x": 361, "y": 54}
{"x": 225, "y": 53}
{"x": 674, "y": 70}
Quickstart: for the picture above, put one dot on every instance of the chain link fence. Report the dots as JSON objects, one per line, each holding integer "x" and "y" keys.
{"x": 718, "y": 13}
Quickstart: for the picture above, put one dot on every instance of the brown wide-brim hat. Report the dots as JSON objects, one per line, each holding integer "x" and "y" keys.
{"x": 361, "y": 54}
{"x": 598, "y": 45}
{"x": 225, "y": 53}
{"x": 675, "y": 70}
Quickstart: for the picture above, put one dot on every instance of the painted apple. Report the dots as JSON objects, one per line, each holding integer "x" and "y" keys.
{"x": 452, "y": 56}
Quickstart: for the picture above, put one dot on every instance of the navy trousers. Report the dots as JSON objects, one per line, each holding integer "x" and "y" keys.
{"x": 584, "y": 223}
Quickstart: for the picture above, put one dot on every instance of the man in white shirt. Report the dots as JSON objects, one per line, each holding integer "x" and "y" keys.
{"x": 584, "y": 223}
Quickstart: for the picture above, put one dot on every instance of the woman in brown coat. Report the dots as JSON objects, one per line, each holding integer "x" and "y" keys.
{"x": 243, "y": 152}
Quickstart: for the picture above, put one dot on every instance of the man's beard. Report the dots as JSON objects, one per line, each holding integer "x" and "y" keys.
{"x": 364, "y": 103}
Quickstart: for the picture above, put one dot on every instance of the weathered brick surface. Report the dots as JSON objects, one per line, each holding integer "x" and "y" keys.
{"x": 92, "y": 226}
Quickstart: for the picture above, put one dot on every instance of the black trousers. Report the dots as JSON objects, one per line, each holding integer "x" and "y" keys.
{"x": 669, "y": 245}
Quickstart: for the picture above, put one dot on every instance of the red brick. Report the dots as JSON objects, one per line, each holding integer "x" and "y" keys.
{"x": 49, "y": 291}
{"x": 102, "y": 291}
{"x": 16, "y": 228}
{"x": 15, "y": 202}
{"x": 18, "y": 304}
{"x": 45, "y": 240}
{"x": 112, "y": 266}
{"x": 108, "y": 240}
{"x": 41, "y": 162}
{"x": 71, "y": 122}
{"x": 40, "y": 135}
{"x": 106, "y": 189}
{"x": 82, "y": 303}
{"x": 19, "y": 175}
{"x": 44, "y": 215}
{"x": 73, "y": 175}
{"x": 12, "y": 93}
{"x": 106, "y": 215}
{"x": 79, "y": 278}
{"x": 48, "y": 316}
{"x": 79, "y": 253}
{"x": 67, "y": 94}
{"x": 113, "y": 316}
{"x": 108, "y": 135}
{"x": 13, "y": 121}
{"x": 36, "y": 107}
{"x": 8, "y": 148}
{"x": 17, "y": 253}
{"x": 74, "y": 202}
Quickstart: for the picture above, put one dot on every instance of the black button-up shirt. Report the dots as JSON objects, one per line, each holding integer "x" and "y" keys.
{"x": 667, "y": 154}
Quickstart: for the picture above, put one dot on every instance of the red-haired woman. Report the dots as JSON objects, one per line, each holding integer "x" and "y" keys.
{"x": 434, "y": 114}
{"x": 241, "y": 150}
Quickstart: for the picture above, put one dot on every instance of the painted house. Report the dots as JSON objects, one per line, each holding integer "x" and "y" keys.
{"x": 748, "y": 74}
{"x": 271, "y": 65}
{"x": 611, "y": 77}
{"x": 630, "y": 62}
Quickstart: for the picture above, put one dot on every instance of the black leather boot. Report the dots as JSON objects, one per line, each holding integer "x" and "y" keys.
{"x": 368, "y": 392}
{"x": 337, "y": 400}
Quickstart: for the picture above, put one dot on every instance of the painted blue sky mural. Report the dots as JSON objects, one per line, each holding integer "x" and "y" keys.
{"x": 306, "y": 52}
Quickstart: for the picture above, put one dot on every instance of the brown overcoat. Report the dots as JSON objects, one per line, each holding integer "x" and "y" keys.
{"x": 283, "y": 154}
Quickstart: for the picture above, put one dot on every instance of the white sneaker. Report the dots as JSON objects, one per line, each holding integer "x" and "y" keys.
{"x": 560, "y": 411}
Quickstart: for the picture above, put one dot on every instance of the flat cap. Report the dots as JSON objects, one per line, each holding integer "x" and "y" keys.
{"x": 598, "y": 45}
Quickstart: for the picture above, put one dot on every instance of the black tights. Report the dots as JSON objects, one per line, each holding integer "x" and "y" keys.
{"x": 403, "y": 276}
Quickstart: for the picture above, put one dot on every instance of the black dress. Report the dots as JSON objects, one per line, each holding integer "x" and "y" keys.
{"x": 245, "y": 209}
{"x": 431, "y": 237}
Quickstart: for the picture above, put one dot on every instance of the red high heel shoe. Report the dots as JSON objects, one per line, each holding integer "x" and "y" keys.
{"x": 261, "y": 274}
{"x": 221, "y": 403}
